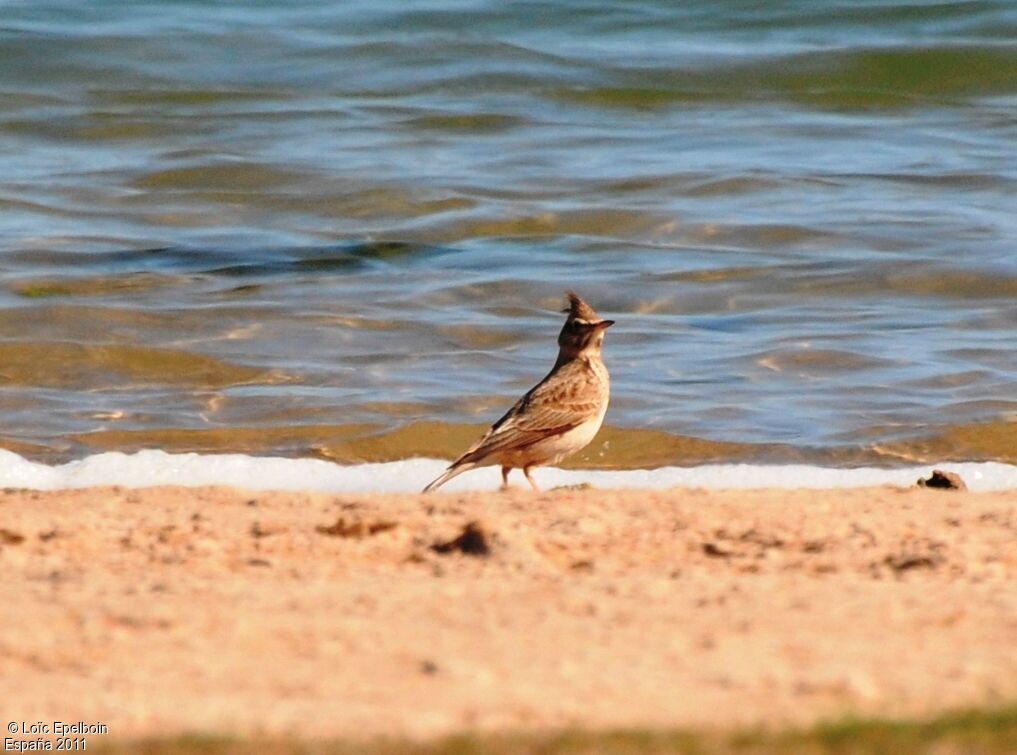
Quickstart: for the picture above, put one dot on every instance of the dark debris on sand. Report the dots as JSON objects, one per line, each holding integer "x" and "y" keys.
{"x": 942, "y": 480}
{"x": 472, "y": 541}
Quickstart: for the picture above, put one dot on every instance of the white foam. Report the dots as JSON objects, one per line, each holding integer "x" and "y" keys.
{"x": 148, "y": 468}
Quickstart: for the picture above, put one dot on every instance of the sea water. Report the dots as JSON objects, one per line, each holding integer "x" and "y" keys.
{"x": 343, "y": 230}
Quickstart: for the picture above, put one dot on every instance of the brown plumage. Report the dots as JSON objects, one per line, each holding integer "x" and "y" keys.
{"x": 558, "y": 416}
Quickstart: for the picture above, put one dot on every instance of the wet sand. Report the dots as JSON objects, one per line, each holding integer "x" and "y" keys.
{"x": 214, "y": 610}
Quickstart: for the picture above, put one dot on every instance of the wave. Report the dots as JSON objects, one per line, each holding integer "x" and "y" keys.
{"x": 153, "y": 468}
{"x": 849, "y": 78}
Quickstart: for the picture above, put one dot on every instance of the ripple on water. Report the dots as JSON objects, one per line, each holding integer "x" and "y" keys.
{"x": 94, "y": 127}
{"x": 845, "y": 79}
{"x": 466, "y": 123}
{"x": 103, "y": 285}
{"x": 236, "y": 176}
{"x": 984, "y": 441}
{"x": 813, "y": 362}
{"x": 869, "y": 278}
{"x": 613, "y": 448}
{"x": 91, "y": 366}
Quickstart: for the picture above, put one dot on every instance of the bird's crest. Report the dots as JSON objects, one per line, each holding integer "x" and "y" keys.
{"x": 580, "y": 310}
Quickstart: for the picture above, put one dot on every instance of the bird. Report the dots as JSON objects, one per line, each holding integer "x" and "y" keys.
{"x": 558, "y": 416}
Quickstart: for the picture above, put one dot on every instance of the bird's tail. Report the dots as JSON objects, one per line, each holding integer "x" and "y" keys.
{"x": 452, "y": 471}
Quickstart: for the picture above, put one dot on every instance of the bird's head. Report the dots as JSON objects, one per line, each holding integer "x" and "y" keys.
{"x": 583, "y": 332}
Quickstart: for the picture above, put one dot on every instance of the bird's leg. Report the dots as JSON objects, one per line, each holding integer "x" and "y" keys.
{"x": 504, "y": 477}
{"x": 526, "y": 471}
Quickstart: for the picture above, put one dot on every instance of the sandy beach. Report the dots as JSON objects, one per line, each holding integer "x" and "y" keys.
{"x": 170, "y": 610}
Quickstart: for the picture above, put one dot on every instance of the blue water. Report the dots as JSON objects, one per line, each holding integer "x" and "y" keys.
{"x": 800, "y": 213}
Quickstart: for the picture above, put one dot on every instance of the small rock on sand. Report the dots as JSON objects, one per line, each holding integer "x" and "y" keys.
{"x": 942, "y": 480}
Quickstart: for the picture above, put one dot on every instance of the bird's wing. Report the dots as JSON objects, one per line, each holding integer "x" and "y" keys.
{"x": 552, "y": 407}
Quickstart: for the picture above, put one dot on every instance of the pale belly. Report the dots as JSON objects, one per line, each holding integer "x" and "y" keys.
{"x": 554, "y": 449}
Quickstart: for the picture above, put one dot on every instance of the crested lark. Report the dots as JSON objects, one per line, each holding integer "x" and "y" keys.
{"x": 559, "y": 415}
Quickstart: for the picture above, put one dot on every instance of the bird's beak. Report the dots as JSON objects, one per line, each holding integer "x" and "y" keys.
{"x": 604, "y": 324}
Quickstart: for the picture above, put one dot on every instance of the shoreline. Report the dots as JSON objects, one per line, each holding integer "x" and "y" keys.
{"x": 164, "y": 611}
{"x": 615, "y": 447}
{"x": 153, "y": 467}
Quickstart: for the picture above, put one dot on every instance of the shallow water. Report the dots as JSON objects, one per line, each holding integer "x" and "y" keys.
{"x": 153, "y": 467}
{"x": 324, "y": 228}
